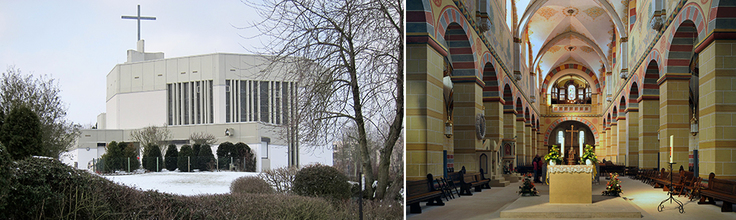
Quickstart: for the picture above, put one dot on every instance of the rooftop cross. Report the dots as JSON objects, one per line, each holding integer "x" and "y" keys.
{"x": 139, "y": 18}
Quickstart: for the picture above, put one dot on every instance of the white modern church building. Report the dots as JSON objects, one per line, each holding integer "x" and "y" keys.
{"x": 232, "y": 96}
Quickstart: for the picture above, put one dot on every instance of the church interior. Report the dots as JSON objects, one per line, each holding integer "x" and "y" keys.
{"x": 491, "y": 84}
{"x": 624, "y": 74}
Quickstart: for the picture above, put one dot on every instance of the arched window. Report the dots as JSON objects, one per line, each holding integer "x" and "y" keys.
{"x": 560, "y": 137}
{"x": 582, "y": 137}
{"x": 571, "y": 92}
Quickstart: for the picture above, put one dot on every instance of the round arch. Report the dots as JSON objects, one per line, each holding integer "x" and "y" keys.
{"x": 564, "y": 119}
{"x": 591, "y": 76}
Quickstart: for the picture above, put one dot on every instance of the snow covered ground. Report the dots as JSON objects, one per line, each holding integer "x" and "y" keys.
{"x": 193, "y": 183}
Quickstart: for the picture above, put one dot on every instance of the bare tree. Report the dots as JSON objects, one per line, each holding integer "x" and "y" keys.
{"x": 152, "y": 135}
{"x": 350, "y": 69}
{"x": 202, "y": 138}
{"x": 41, "y": 95}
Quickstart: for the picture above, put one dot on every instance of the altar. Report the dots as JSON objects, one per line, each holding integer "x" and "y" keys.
{"x": 570, "y": 184}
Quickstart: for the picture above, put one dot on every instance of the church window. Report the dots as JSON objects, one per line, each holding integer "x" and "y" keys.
{"x": 199, "y": 104}
{"x": 186, "y": 103}
{"x": 562, "y": 94}
{"x": 571, "y": 92}
{"x": 560, "y": 137}
{"x": 264, "y": 101}
{"x": 277, "y": 103}
{"x": 582, "y": 137}
{"x": 227, "y": 101}
{"x": 243, "y": 101}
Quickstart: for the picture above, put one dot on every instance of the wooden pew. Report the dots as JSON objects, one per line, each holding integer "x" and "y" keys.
{"x": 421, "y": 191}
{"x": 454, "y": 180}
{"x": 487, "y": 182}
{"x": 479, "y": 183}
{"x": 468, "y": 181}
{"x": 719, "y": 189}
{"x": 660, "y": 179}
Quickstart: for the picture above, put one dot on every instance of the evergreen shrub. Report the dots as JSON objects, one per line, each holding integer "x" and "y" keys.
{"x": 250, "y": 184}
{"x": 172, "y": 155}
{"x": 321, "y": 181}
{"x": 184, "y": 162}
{"x": 152, "y": 160}
{"x": 205, "y": 158}
{"x": 21, "y": 134}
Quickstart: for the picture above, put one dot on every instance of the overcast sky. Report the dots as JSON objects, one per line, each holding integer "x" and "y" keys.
{"x": 79, "y": 42}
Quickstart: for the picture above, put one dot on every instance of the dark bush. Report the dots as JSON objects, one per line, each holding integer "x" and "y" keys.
{"x": 129, "y": 160}
{"x": 171, "y": 156}
{"x": 250, "y": 184}
{"x": 152, "y": 160}
{"x": 185, "y": 158}
{"x": 21, "y": 134}
{"x": 113, "y": 159}
{"x": 372, "y": 209}
{"x": 224, "y": 155}
{"x": 321, "y": 181}
{"x": 195, "y": 153}
{"x": 5, "y": 175}
{"x": 205, "y": 158}
{"x": 48, "y": 189}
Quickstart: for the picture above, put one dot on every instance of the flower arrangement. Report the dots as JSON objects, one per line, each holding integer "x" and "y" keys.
{"x": 527, "y": 187}
{"x": 588, "y": 153}
{"x": 554, "y": 155}
{"x": 613, "y": 188}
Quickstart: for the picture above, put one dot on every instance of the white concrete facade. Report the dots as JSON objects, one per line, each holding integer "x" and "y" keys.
{"x": 208, "y": 93}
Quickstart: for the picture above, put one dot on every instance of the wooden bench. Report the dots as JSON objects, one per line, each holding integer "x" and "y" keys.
{"x": 454, "y": 180}
{"x": 659, "y": 180}
{"x": 421, "y": 191}
{"x": 480, "y": 183}
{"x": 468, "y": 181}
{"x": 631, "y": 171}
{"x": 677, "y": 179}
{"x": 719, "y": 189}
{"x": 483, "y": 178}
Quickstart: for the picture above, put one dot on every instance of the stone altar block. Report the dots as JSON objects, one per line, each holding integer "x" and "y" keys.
{"x": 570, "y": 184}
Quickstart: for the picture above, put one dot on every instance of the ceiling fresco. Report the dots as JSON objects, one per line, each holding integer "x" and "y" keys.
{"x": 564, "y": 31}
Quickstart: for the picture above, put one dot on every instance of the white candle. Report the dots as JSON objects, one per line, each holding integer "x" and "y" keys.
{"x": 672, "y": 151}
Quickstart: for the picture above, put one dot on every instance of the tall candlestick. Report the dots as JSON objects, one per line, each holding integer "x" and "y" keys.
{"x": 672, "y": 151}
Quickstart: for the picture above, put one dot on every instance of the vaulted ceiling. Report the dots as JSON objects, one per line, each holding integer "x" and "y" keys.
{"x": 571, "y": 31}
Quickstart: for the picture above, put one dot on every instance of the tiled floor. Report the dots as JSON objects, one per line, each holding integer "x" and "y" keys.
{"x": 489, "y": 203}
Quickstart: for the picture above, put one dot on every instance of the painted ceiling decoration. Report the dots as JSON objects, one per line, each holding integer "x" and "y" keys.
{"x": 572, "y": 31}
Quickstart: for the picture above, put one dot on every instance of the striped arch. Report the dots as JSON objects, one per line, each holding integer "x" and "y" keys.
{"x": 694, "y": 13}
{"x": 622, "y": 107}
{"x": 564, "y": 119}
{"x": 455, "y": 32}
{"x": 648, "y": 82}
{"x": 491, "y": 90}
{"x": 634, "y": 92}
{"x": 570, "y": 66}
{"x": 721, "y": 15}
{"x": 689, "y": 26}
{"x": 508, "y": 97}
{"x": 419, "y": 17}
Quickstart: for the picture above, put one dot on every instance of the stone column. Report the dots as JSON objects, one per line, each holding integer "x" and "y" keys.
{"x": 622, "y": 137}
{"x": 509, "y": 126}
{"x": 632, "y": 134}
{"x": 528, "y": 141}
{"x": 717, "y": 134}
{"x": 520, "y": 140}
{"x": 600, "y": 151}
{"x": 648, "y": 126}
{"x": 673, "y": 118}
{"x": 468, "y": 104}
{"x": 424, "y": 112}
{"x": 613, "y": 142}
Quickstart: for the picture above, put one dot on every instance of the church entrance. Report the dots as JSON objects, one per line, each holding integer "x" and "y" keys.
{"x": 571, "y": 137}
